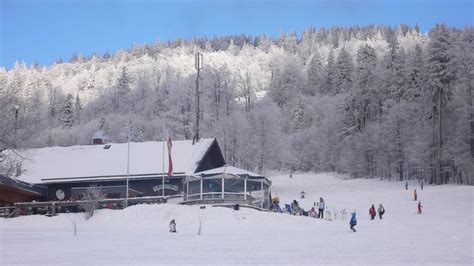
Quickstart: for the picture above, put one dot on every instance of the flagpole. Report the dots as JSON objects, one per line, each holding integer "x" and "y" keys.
{"x": 163, "y": 166}
{"x": 128, "y": 164}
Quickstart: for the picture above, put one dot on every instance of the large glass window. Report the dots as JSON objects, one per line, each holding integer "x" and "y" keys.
{"x": 234, "y": 185}
{"x": 253, "y": 185}
{"x": 194, "y": 187}
{"x": 211, "y": 185}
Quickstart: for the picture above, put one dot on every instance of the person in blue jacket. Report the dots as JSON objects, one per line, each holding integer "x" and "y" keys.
{"x": 353, "y": 221}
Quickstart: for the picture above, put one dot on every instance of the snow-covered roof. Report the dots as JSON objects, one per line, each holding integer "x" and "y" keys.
{"x": 228, "y": 170}
{"x": 43, "y": 165}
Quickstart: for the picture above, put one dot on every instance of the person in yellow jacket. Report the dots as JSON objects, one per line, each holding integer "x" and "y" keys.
{"x": 276, "y": 200}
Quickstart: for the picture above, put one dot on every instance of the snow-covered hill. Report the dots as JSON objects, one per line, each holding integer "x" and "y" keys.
{"x": 442, "y": 235}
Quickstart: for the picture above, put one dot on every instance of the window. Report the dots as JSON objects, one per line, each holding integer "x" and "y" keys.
{"x": 194, "y": 187}
{"x": 234, "y": 185}
{"x": 253, "y": 185}
{"x": 211, "y": 185}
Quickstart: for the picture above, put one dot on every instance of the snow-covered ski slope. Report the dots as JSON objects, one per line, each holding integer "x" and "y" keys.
{"x": 442, "y": 235}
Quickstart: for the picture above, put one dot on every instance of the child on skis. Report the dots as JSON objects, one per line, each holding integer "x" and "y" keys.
{"x": 353, "y": 221}
{"x": 372, "y": 212}
{"x": 302, "y": 194}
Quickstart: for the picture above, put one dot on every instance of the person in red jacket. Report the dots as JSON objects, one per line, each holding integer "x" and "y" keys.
{"x": 372, "y": 212}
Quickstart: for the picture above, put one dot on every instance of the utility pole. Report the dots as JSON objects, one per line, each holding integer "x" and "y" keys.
{"x": 198, "y": 65}
{"x": 16, "y": 107}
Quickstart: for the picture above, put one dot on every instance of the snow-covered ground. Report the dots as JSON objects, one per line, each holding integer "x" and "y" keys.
{"x": 442, "y": 235}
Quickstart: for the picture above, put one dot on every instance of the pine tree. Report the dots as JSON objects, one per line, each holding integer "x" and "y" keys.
{"x": 440, "y": 76}
{"x": 415, "y": 75}
{"x": 122, "y": 90}
{"x": 344, "y": 70}
{"x": 329, "y": 72}
{"x": 291, "y": 43}
{"x": 365, "y": 97}
{"x": 67, "y": 112}
{"x": 77, "y": 109}
{"x": 315, "y": 74}
{"x": 123, "y": 83}
{"x": 298, "y": 113}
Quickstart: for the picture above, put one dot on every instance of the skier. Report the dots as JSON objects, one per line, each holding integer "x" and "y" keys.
{"x": 419, "y": 207}
{"x": 406, "y": 185}
{"x": 415, "y": 195}
{"x": 321, "y": 207}
{"x": 173, "y": 226}
{"x": 372, "y": 212}
{"x": 302, "y": 194}
{"x": 381, "y": 211}
{"x": 421, "y": 185}
{"x": 353, "y": 221}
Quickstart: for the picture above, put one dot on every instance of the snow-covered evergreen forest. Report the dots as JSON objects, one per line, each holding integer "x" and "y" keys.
{"x": 371, "y": 101}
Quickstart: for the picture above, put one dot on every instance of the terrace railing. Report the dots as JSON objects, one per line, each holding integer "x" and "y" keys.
{"x": 53, "y": 207}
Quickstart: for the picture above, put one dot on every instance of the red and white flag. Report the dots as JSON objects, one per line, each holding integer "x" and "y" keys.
{"x": 170, "y": 162}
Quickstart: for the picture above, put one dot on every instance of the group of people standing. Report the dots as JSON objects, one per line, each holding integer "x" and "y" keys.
{"x": 373, "y": 212}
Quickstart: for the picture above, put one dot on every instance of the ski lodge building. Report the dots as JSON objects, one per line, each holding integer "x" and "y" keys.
{"x": 199, "y": 173}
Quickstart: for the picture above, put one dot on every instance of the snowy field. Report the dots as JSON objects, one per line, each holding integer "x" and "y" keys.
{"x": 442, "y": 235}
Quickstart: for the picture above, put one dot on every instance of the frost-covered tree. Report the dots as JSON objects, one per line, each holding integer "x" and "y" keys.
{"x": 286, "y": 81}
{"x": 122, "y": 90}
{"x": 329, "y": 75}
{"x": 440, "y": 76}
{"x": 370, "y": 96}
{"x": 298, "y": 113}
{"x": 415, "y": 75}
{"x": 315, "y": 74}
{"x": 91, "y": 199}
{"x": 67, "y": 112}
{"x": 343, "y": 76}
{"x": 77, "y": 109}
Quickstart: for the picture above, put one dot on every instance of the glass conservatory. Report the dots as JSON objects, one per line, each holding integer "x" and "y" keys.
{"x": 227, "y": 185}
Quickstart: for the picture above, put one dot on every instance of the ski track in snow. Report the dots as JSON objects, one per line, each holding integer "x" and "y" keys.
{"x": 442, "y": 235}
